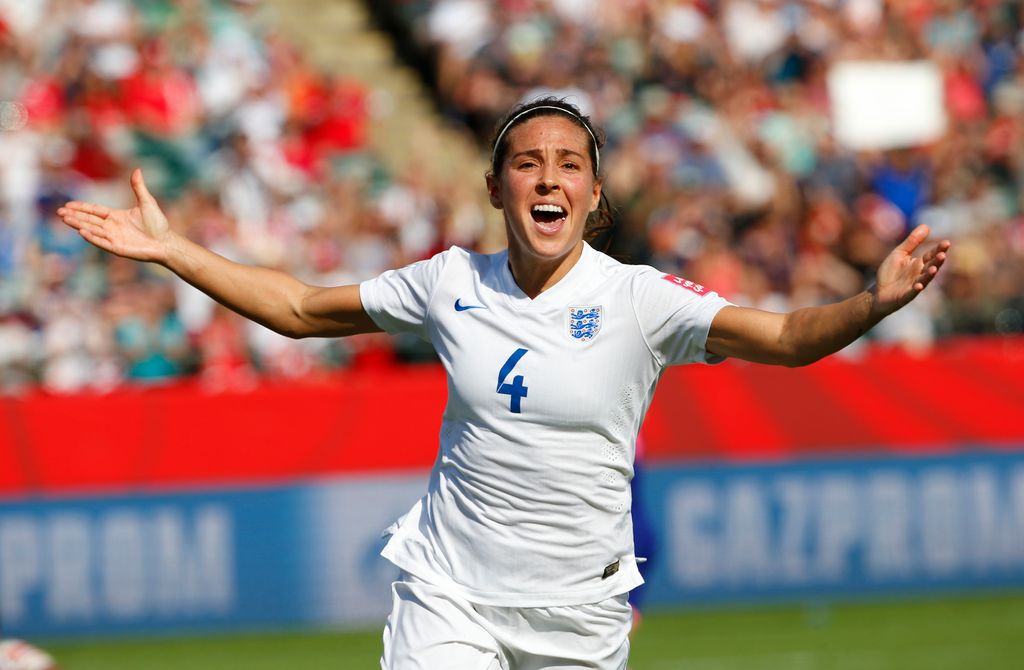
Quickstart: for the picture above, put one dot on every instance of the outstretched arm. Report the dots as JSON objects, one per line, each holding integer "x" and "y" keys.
{"x": 807, "y": 335}
{"x": 274, "y": 299}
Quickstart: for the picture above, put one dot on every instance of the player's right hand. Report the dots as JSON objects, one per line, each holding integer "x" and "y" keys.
{"x": 140, "y": 233}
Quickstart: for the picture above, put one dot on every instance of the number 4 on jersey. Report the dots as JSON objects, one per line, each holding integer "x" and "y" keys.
{"x": 516, "y": 391}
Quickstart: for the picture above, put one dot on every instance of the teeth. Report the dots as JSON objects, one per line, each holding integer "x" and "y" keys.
{"x": 548, "y": 208}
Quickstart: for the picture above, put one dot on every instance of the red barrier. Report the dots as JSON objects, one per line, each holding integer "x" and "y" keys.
{"x": 963, "y": 394}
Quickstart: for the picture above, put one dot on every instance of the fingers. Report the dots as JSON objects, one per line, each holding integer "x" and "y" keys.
{"x": 928, "y": 274}
{"x": 77, "y": 218}
{"x": 930, "y": 262}
{"x": 931, "y": 268}
{"x": 934, "y": 259}
{"x": 95, "y": 235}
{"x": 87, "y": 207}
{"x": 938, "y": 251}
{"x": 89, "y": 226}
{"x": 914, "y": 240}
{"x": 68, "y": 217}
{"x": 142, "y": 193}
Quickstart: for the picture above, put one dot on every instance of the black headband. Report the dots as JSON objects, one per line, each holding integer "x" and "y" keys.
{"x": 508, "y": 124}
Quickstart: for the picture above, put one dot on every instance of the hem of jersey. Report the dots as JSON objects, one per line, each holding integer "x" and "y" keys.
{"x": 513, "y": 599}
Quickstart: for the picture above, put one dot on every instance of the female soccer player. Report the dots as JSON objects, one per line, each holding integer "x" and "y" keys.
{"x": 520, "y": 555}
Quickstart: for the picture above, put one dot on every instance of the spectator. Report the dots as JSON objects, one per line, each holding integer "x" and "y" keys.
{"x": 725, "y": 166}
{"x": 736, "y": 133}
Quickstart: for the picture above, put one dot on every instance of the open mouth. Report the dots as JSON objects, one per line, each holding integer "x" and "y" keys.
{"x": 548, "y": 217}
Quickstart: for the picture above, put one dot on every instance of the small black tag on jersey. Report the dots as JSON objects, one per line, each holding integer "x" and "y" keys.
{"x": 610, "y": 570}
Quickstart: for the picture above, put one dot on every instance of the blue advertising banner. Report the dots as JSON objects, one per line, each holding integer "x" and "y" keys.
{"x": 307, "y": 554}
{"x": 236, "y": 559}
{"x": 729, "y": 533}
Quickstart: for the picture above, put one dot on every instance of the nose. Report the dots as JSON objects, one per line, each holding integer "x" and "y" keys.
{"x": 548, "y": 182}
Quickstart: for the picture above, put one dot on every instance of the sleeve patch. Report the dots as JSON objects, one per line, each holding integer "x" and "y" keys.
{"x": 686, "y": 283}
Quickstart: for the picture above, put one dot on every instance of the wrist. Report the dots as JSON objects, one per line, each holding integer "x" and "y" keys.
{"x": 173, "y": 251}
{"x": 878, "y": 308}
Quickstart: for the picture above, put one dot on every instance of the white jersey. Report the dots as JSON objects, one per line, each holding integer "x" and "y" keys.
{"x": 529, "y": 501}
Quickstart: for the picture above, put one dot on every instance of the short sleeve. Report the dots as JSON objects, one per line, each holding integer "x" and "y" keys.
{"x": 398, "y": 300}
{"x": 675, "y": 316}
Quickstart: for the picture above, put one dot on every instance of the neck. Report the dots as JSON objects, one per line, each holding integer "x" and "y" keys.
{"x": 534, "y": 275}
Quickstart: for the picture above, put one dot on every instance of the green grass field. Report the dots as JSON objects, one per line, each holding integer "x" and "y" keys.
{"x": 975, "y": 633}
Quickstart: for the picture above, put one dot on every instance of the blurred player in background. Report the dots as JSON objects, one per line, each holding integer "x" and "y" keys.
{"x": 20, "y": 655}
{"x": 521, "y": 553}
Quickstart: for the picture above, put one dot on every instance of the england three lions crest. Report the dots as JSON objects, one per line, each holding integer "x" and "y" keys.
{"x": 585, "y": 322}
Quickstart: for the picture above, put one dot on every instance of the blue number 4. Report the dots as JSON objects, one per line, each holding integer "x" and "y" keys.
{"x": 516, "y": 391}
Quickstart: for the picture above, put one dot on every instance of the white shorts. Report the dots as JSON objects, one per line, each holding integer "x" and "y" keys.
{"x": 429, "y": 629}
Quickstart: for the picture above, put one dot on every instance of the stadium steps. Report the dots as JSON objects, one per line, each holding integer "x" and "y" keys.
{"x": 339, "y": 36}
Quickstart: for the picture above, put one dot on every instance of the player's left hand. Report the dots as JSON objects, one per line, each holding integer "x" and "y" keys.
{"x": 901, "y": 276}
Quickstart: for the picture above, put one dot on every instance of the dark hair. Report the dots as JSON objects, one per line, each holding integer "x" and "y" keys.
{"x": 600, "y": 219}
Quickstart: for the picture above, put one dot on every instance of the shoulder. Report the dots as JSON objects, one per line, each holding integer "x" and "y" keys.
{"x": 436, "y": 264}
{"x": 467, "y": 261}
{"x": 647, "y": 279}
{"x": 613, "y": 268}
{"x": 657, "y": 295}
{"x": 602, "y": 265}
{"x": 623, "y": 278}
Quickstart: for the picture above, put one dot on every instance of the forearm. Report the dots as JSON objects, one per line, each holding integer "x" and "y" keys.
{"x": 811, "y": 333}
{"x": 268, "y": 297}
{"x": 807, "y": 335}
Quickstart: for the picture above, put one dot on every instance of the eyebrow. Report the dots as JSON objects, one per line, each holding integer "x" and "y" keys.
{"x": 539, "y": 154}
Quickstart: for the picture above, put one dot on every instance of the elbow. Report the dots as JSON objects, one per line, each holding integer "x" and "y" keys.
{"x": 800, "y": 361}
{"x": 805, "y": 356}
{"x": 294, "y": 329}
{"x": 295, "y": 324}
{"x": 798, "y": 356}
{"x": 794, "y": 351}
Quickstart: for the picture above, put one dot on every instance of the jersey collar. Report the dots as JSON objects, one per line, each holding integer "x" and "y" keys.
{"x": 557, "y": 294}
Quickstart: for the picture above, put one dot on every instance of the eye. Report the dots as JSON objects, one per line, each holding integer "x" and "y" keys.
{"x": 569, "y": 165}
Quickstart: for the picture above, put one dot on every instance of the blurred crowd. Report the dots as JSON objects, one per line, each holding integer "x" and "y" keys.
{"x": 251, "y": 150}
{"x": 722, "y": 163}
{"x": 722, "y": 154}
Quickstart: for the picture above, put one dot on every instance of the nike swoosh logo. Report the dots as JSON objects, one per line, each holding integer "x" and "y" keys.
{"x": 459, "y": 307}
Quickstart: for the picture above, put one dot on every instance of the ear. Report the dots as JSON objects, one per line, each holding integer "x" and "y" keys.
{"x": 595, "y": 200}
{"x": 493, "y": 190}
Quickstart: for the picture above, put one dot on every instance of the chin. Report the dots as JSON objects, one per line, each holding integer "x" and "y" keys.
{"x": 554, "y": 244}
{"x": 529, "y": 239}
{"x": 552, "y": 249}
